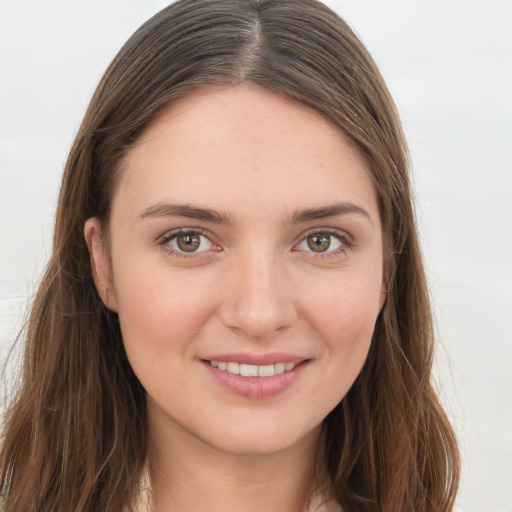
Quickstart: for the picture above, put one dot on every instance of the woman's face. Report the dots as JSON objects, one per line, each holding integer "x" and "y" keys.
{"x": 245, "y": 263}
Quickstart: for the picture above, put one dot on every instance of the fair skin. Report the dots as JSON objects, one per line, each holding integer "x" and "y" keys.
{"x": 279, "y": 260}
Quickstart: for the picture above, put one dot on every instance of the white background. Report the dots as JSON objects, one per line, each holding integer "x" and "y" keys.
{"x": 448, "y": 64}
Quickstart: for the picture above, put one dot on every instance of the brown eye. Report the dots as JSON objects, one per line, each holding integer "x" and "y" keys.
{"x": 188, "y": 242}
{"x": 324, "y": 243}
{"x": 319, "y": 242}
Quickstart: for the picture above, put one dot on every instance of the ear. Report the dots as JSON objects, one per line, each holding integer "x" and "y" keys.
{"x": 100, "y": 262}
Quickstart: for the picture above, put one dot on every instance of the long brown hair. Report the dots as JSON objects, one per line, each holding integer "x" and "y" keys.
{"x": 75, "y": 436}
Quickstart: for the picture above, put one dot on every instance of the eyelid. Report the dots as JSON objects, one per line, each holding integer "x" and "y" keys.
{"x": 344, "y": 238}
{"x": 173, "y": 233}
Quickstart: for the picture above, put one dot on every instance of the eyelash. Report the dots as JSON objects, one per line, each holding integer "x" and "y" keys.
{"x": 172, "y": 235}
{"x": 343, "y": 238}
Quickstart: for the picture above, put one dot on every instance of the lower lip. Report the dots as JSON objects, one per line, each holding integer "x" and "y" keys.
{"x": 256, "y": 388}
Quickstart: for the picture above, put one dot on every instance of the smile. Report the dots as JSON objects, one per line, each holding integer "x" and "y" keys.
{"x": 256, "y": 381}
{"x": 252, "y": 370}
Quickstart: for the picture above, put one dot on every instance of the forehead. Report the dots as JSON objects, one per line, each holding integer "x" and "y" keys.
{"x": 243, "y": 145}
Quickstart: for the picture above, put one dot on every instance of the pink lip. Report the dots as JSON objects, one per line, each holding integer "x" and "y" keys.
{"x": 256, "y": 359}
{"x": 256, "y": 388}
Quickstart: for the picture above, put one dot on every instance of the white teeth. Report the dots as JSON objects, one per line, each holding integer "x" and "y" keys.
{"x": 233, "y": 368}
{"x": 252, "y": 370}
{"x": 279, "y": 368}
{"x": 248, "y": 370}
{"x": 266, "y": 371}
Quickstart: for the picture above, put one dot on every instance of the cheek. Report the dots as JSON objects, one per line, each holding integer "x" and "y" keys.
{"x": 160, "y": 312}
{"x": 345, "y": 320}
{"x": 349, "y": 304}
{"x": 160, "y": 317}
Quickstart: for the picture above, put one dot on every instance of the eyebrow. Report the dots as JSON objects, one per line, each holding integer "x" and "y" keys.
{"x": 185, "y": 210}
{"x": 343, "y": 208}
{"x": 215, "y": 217}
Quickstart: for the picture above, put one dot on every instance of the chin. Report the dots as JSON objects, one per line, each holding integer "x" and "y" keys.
{"x": 257, "y": 440}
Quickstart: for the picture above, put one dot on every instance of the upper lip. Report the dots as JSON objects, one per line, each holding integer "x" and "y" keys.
{"x": 256, "y": 359}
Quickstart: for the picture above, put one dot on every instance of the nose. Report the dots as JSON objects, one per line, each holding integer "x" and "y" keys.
{"x": 258, "y": 297}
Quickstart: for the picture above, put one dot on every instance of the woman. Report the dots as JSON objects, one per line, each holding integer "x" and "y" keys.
{"x": 235, "y": 314}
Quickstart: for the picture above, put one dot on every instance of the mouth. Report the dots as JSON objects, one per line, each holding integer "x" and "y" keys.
{"x": 256, "y": 381}
{"x": 253, "y": 370}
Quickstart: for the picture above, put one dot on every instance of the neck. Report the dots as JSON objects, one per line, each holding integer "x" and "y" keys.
{"x": 188, "y": 475}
